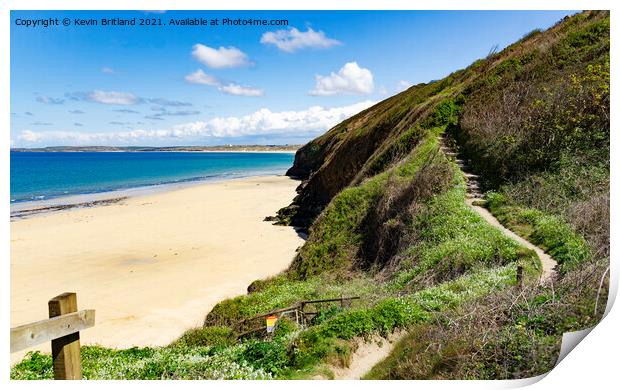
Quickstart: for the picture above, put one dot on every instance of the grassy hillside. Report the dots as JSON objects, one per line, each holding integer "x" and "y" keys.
{"x": 387, "y": 220}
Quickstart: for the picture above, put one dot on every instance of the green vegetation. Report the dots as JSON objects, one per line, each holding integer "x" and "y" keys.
{"x": 214, "y": 352}
{"x": 506, "y": 334}
{"x": 536, "y": 129}
{"x": 336, "y": 236}
{"x": 388, "y": 221}
{"x": 324, "y": 341}
{"x": 149, "y": 363}
{"x": 216, "y": 336}
{"x": 290, "y": 353}
{"x": 453, "y": 240}
{"x": 548, "y": 232}
{"x": 282, "y": 291}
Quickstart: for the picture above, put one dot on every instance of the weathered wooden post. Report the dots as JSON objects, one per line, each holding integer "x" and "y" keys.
{"x": 520, "y": 276}
{"x": 302, "y": 306}
{"x": 66, "y": 349}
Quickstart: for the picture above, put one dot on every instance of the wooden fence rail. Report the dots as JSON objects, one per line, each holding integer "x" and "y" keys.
{"x": 63, "y": 330}
{"x": 298, "y": 311}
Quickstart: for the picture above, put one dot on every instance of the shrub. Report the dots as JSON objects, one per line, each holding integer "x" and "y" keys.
{"x": 34, "y": 365}
{"x": 217, "y": 336}
{"x": 270, "y": 356}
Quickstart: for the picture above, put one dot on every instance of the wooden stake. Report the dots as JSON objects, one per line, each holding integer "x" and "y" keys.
{"x": 520, "y": 276}
{"x": 65, "y": 350}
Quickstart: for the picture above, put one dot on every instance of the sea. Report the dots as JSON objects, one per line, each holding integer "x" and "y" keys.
{"x": 37, "y": 176}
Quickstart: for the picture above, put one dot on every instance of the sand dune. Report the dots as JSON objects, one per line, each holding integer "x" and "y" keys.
{"x": 151, "y": 266}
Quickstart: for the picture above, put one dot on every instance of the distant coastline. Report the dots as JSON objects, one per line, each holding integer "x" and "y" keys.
{"x": 218, "y": 148}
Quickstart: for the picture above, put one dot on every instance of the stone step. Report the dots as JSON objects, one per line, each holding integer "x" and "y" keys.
{"x": 473, "y": 195}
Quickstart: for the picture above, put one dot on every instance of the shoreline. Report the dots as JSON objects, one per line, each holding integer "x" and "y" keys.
{"x": 27, "y": 208}
{"x": 155, "y": 151}
{"x": 151, "y": 265}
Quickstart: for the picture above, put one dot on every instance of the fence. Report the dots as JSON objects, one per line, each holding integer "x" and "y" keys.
{"x": 299, "y": 312}
{"x": 63, "y": 330}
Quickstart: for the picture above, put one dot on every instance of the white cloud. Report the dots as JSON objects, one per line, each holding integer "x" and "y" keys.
{"x": 349, "y": 79}
{"x": 49, "y": 100}
{"x": 107, "y": 70}
{"x": 239, "y": 90}
{"x": 200, "y": 77}
{"x": 121, "y": 98}
{"x": 292, "y": 40}
{"x": 402, "y": 85}
{"x": 314, "y": 119}
{"x": 224, "y": 57}
{"x": 112, "y": 97}
{"x": 165, "y": 102}
{"x": 31, "y": 136}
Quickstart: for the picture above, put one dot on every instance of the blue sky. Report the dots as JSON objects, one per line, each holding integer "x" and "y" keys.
{"x": 187, "y": 85}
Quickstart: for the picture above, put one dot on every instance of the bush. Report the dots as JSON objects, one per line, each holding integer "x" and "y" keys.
{"x": 215, "y": 336}
{"x": 34, "y": 365}
{"x": 270, "y": 356}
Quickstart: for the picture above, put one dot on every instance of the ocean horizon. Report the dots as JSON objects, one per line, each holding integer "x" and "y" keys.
{"x": 40, "y": 176}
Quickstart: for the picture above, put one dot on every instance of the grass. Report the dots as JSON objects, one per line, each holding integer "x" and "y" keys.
{"x": 148, "y": 363}
{"x": 535, "y": 126}
{"x": 507, "y": 334}
{"x": 325, "y": 340}
{"x": 289, "y": 354}
{"x": 454, "y": 239}
{"x": 336, "y": 235}
{"x": 550, "y": 233}
{"x": 283, "y": 291}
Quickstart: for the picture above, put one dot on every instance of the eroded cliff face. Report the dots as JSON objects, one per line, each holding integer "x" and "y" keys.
{"x": 344, "y": 154}
{"x": 378, "y": 137}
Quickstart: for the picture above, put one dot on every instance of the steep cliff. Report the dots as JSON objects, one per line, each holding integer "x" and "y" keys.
{"x": 541, "y": 101}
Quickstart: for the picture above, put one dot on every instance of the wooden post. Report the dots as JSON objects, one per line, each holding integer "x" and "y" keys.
{"x": 66, "y": 349}
{"x": 520, "y": 276}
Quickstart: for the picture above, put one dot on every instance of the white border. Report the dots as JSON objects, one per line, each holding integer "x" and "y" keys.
{"x": 592, "y": 364}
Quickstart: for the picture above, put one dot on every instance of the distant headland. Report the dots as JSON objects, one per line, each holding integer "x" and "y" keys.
{"x": 219, "y": 148}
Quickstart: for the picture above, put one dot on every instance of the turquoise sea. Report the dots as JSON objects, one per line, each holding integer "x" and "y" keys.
{"x": 47, "y": 175}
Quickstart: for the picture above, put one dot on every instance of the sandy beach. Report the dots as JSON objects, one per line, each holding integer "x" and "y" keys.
{"x": 152, "y": 266}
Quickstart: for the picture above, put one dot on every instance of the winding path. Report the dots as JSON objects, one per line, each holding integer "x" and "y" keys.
{"x": 473, "y": 195}
{"x": 371, "y": 353}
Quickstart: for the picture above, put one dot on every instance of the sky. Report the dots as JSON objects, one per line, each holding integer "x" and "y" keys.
{"x": 172, "y": 85}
